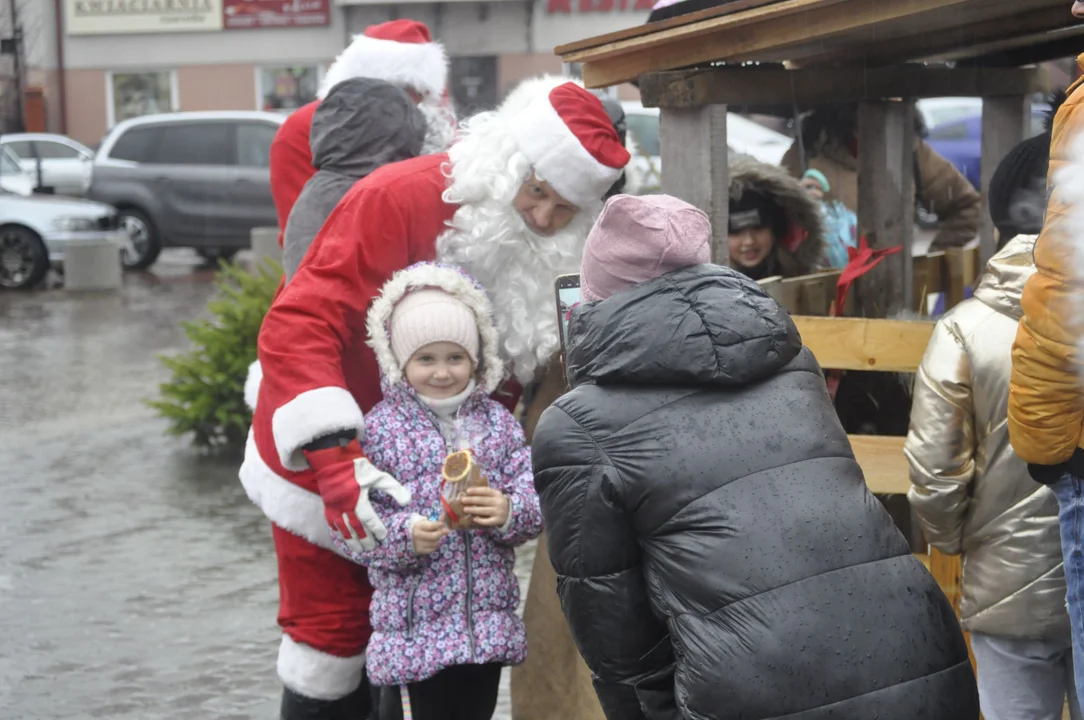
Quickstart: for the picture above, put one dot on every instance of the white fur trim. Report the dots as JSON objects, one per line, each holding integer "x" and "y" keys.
{"x": 252, "y": 384}
{"x": 318, "y": 675}
{"x": 452, "y": 282}
{"x": 523, "y": 94}
{"x": 421, "y": 67}
{"x": 310, "y": 415}
{"x": 1069, "y": 185}
{"x": 558, "y": 156}
{"x": 289, "y": 506}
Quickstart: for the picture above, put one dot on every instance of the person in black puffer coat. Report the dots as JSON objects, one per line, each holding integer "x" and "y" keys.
{"x": 718, "y": 554}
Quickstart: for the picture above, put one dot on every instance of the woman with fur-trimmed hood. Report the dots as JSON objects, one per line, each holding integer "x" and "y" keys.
{"x": 775, "y": 227}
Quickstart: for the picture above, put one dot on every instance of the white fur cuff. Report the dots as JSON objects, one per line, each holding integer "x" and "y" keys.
{"x": 252, "y": 384}
{"x": 289, "y": 506}
{"x": 311, "y": 415}
{"x": 317, "y": 675}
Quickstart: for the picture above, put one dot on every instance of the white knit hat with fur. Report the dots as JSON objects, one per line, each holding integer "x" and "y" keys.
{"x": 428, "y": 316}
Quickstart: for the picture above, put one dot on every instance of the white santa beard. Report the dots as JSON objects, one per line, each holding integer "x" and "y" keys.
{"x": 517, "y": 268}
{"x": 440, "y": 127}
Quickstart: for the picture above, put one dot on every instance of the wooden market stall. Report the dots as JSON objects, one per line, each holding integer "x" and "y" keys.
{"x": 756, "y": 55}
{"x": 753, "y": 54}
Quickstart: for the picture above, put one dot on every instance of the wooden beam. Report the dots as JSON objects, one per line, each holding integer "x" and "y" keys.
{"x": 886, "y": 202}
{"x": 883, "y": 463}
{"x": 877, "y": 50}
{"x": 864, "y": 344}
{"x": 696, "y": 170}
{"x": 1064, "y": 31}
{"x": 1005, "y": 120}
{"x": 732, "y": 36}
{"x": 756, "y": 86}
{"x": 1032, "y": 54}
{"x": 653, "y": 29}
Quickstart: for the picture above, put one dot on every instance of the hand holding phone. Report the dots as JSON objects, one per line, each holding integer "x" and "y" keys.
{"x": 567, "y": 288}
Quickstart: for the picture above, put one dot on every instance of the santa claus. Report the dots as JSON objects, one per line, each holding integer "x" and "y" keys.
{"x": 400, "y": 52}
{"x": 512, "y": 202}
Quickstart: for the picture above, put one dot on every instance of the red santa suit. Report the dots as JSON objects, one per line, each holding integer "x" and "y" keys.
{"x": 319, "y": 377}
{"x": 400, "y": 52}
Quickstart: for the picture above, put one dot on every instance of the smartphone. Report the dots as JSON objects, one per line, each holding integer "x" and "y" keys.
{"x": 568, "y": 296}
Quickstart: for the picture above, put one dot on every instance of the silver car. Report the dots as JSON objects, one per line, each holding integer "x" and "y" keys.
{"x": 53, "y": 162}
{"x": 193, "y": 179}
{"x": 34, "y": 232}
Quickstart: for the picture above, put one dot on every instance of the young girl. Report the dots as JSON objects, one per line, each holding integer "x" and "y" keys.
{"x": 444, "y": 603}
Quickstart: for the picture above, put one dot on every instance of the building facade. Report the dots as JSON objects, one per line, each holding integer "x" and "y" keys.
{"x": 101, "y": 61}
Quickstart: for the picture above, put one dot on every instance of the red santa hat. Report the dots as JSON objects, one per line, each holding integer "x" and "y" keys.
{"x": 571, "y": 143}
{"x": 400, "y": 52}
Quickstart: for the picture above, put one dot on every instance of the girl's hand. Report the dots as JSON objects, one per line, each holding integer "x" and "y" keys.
{"x": 427, "y": 536}
{"x": 488, "y": 506}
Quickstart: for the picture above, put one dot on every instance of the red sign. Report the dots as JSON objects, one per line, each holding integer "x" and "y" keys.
{"x": 596, "y": 6}
{"x": 249, "y": 14}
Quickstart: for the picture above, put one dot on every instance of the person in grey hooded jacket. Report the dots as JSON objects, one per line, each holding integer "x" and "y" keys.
{"x": 718, "y": 554}
{"x": 361, "y": 125}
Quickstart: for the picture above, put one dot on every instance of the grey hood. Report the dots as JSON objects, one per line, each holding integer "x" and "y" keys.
{"x": 701, "y": 325}
{"x": 363, "y": 124}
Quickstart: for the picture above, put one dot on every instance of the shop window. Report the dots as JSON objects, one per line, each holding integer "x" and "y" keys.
{"x": 134, "y": 94}
{"x": 472, "y": 82}
{"x": 284, "y": 89}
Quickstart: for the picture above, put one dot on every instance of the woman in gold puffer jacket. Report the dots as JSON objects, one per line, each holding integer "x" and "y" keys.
{"x": 974, "y": 497}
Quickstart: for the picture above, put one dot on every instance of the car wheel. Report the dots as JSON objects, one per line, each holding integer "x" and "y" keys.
{"x": 23, "y": 258}
{"x": 141, "y": 243}
{"x": 214, "y": 254}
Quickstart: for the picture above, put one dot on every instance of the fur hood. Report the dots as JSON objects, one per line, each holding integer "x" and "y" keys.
{"x": 802, "y": 212}
{"x": 454, "y": 281}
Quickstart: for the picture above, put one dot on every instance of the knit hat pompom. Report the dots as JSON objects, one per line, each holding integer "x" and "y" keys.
{"x": 428, "y": 316}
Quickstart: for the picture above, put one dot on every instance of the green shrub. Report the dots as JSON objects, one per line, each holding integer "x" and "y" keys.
{"x": 205, "y": 397}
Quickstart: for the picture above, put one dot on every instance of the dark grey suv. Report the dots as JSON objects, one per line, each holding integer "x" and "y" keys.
{"x": 195, "y": 179}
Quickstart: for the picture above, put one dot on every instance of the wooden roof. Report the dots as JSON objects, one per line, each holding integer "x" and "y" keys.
{"x": 810, "y": 33}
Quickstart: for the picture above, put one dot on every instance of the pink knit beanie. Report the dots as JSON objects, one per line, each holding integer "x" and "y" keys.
{"x": 640, "y": 238}
{"x": 429, "y": 316}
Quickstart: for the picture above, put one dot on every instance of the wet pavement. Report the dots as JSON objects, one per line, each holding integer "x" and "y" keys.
{"x": 136, "y": 579}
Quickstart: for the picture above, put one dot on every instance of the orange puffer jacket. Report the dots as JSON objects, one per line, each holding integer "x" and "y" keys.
{"x": 1046, "y": 396}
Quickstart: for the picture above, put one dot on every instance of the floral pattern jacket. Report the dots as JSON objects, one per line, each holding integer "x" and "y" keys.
{"x": 456, "y": 606}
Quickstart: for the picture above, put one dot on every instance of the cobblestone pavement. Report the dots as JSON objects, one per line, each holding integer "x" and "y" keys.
{"x": 136, "y": 579}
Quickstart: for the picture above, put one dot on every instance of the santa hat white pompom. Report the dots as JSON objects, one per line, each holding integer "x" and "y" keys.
{"x": 571, "y": 143}
{"x": 400, "y": 52}
{"x": 522, "y": 95}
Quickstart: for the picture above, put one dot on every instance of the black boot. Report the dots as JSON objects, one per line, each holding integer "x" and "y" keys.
{"x": 355, "y": 706}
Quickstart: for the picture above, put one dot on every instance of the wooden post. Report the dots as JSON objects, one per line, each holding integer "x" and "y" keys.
{"x": 694, "y": 166}
{"x": 886, "y": 202}
{"x": 1004, "y": 124}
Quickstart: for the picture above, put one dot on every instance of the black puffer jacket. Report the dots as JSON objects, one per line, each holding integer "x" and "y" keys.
{"x": 718, "y": 554}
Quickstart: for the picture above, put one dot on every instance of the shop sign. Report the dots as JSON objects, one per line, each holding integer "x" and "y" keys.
{"x": 249, "y": 14}
{"x": 125, "y": 17}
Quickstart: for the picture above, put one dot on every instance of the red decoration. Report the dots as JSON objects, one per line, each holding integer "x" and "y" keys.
{"x": 862, "y": 260}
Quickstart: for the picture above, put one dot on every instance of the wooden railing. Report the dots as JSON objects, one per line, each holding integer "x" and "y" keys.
{"x": 949, "y": 272}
